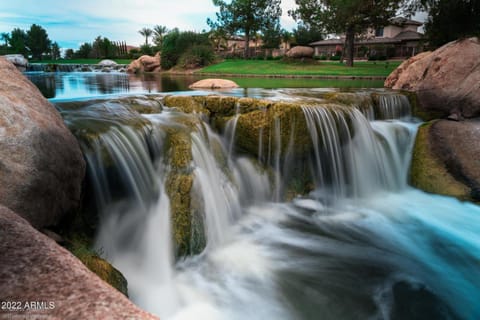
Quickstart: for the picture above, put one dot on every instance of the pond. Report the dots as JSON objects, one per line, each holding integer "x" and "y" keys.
{"x": 75, "y": 85}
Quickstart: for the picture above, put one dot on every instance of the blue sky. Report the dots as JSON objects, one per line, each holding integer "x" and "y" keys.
{"x": 71, "y": 23}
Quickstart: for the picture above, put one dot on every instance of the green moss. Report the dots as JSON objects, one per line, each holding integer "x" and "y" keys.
{"x": 186, "y": 104}
{"x": 81, "y": 247}
{"x": 419, "y": 112}
{"x": 428, "y": 173}
{"x": 187, "y": 223}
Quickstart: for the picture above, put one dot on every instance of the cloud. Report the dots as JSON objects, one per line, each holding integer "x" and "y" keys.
{"x": 73, "y": 22}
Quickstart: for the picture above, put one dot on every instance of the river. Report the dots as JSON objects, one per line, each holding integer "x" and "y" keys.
{"x": 361, "y": 244}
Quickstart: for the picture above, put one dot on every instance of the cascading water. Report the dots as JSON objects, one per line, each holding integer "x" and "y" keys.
{"x": 361, "y": 245}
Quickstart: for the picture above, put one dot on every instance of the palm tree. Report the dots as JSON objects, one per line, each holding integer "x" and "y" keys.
{"x": 146, "y": 32}
{"x": 159, "y": 32}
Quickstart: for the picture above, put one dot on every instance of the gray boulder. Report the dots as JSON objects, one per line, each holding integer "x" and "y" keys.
{"x": 18, "y": 61}
{"x": 107, "y": 63}
{"x": 41, "y": 165}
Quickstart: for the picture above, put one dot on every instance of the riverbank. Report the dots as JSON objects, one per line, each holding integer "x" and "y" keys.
{"x": 305, "y": 69}
{"x": 311, "y": 69}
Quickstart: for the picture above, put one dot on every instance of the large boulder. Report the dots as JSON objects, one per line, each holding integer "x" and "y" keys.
{"x": 45, "y": 281}
{"x": 107, "y": 63}
{"x": 18, "y": 61}
{"x": 145, "y": 64}
{"x": 41, "y": 165}
{"x": 300, "y": 52}
{"x": 447, "y": 81}
{"x": 445, "y": 159}
{"x": 213, "y": 84}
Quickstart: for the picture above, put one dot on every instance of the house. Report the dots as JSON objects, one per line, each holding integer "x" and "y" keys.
{"x": 399, "y": 39}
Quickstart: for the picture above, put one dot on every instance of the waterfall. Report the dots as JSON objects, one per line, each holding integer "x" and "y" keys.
{"x": 394, "y": 106}
{"x": 361, "y": 245}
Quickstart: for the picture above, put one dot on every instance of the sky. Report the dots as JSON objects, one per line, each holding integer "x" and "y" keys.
{"x": 73, "y": 22}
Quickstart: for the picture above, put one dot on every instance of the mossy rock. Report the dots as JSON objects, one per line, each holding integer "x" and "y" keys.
{"x": 187, "y": 104}
{"x": 419, "y": 112}
{"x": 187, "y": 222}
{"x": 80, "y": 246}
{"x": 429, "y": 173}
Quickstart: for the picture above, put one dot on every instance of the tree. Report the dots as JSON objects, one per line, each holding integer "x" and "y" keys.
{"x": 55, "y": 51}
{"x": 349, "y": 16}
{"x": 177, "y": 43}
{"x": 158, "y": 34}
{"x": 272, "y": 36}
{"x": 247, "y": 16}
{"x": 304, "y": 35}
{"x": 69, "y": 54}
{"x": 37, "y": 41}
{"x": 84, "y": 51}
{"x": 450, "y": 20}
{"x": 5, "y": 37}
{"x": 146, "y": 32}
{"x": 17, "y": 40}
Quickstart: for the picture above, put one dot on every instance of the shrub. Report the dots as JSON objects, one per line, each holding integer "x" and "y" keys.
{"x": 197, "y": 56}
{"x": 335, "y": 58}
{"x": 177, "y": 43}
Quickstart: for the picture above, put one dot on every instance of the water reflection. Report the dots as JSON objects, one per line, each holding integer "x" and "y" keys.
{"x": 78, "y": 85}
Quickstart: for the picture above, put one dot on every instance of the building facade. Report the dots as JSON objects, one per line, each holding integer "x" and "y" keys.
{"x": 399, "y": 39}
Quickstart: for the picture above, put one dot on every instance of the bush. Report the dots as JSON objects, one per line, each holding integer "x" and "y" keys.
{"x": 177, "y": 43}
{"x": 335, "y": 58}
{"x": 322, "y": 57}
{"x": 197, "y": 56}
{"x": 146, "y": 49}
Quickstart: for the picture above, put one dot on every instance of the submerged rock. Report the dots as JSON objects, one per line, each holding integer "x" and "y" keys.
{"x": 214, "y": 84}
{"x": 445, "y": 159}
{"x": 41, "y": 165}
{"x": 446, "y": 81}
{"x": 35, "y": 269}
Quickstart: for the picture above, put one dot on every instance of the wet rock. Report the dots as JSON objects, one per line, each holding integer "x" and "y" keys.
{"x": 446, "y": 81}
{"x": 145, "y": 64}
{"x": 445, "y": 159}
{"x": 35, "y": 268}
{"x": 213, "y": 84}
{"x": 300, "y": 52}
{"x": 41, "y": 165}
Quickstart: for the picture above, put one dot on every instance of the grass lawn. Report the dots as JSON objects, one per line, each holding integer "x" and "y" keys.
{"x": 298, "y": 68}
{"x": 80, "y": 61}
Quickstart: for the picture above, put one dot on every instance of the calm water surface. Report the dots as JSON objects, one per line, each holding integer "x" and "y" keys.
{"x": 80, "y": 85}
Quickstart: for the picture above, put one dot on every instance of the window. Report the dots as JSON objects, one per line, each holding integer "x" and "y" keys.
{"x": 379, "y": 32}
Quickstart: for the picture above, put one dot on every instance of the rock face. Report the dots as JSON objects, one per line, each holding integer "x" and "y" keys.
{"x": 213, "y": 84}
{"x": 300, "y": 52}
{"x": 145, "y": 64}
{"x": 107, "y": 63}
{"x": 445, "y": 159}
{"x": 41, "y": 165}
{"x": 446, "y": 81}
{"x": 34, "y": 268}
{"x": 18, "y": 61}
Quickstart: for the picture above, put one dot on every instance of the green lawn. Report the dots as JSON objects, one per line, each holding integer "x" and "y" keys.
{"x": 81, "y": 61}
{"x": 310, "y": 68}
